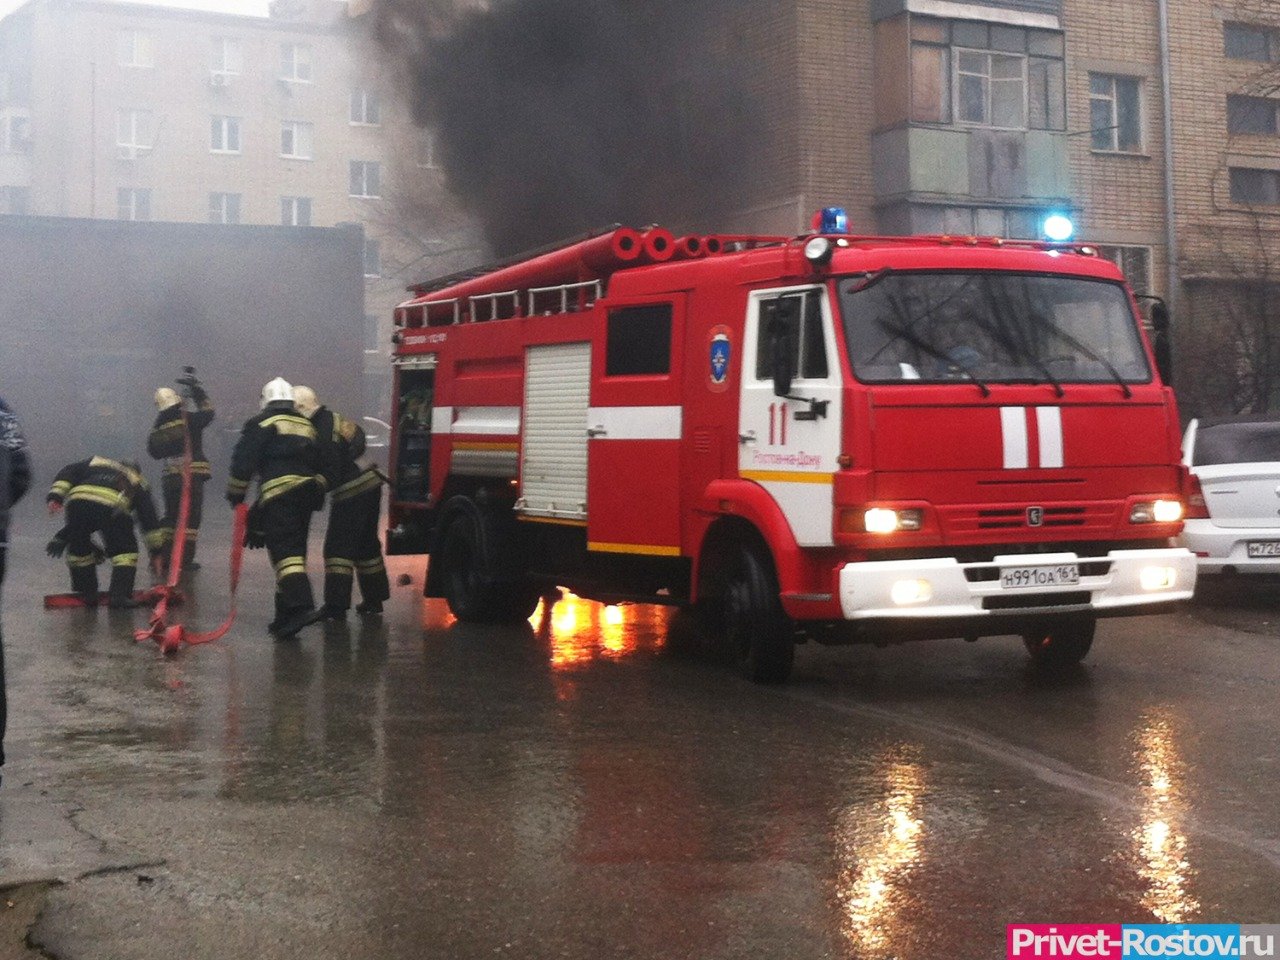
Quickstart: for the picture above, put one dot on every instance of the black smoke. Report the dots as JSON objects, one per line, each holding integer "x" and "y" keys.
{"x": 556, "y": 116}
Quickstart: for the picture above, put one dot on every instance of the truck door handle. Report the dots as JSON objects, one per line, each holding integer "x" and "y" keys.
{"x": 747, "y": 438}
{"x": 597, "y": 432}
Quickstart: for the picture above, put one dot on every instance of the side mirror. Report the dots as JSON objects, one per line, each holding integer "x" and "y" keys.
{"x": 781, "y": 340}
{"x": 1162, "y": 340}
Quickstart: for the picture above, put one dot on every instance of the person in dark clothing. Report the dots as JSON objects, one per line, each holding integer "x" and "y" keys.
{"x": 101, "y": 496}
{"x": 167, "y": 442}
{"x": 352, "y": 549}
{"x": 15, "y": 480}
{"x": 279, "y": 447}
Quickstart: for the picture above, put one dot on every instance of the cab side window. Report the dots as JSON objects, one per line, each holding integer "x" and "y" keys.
{"x": 639, "y": 341}
{"x": 798, "y": 317}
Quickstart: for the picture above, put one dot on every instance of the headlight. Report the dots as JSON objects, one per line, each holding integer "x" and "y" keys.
{"x": 1156, "y": 511}
{"x": 884, "y": 520}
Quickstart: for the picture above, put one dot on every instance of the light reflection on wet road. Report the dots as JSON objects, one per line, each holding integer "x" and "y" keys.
{"x": 571, "y": 787}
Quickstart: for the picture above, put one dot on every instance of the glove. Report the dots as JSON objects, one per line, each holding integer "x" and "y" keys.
{"x": 254, "y": 539}
{"x": 235, "y": 499}
{"x": 56, "y": 547}
{"x": 99, "y": 554}
{"x": 188, "y": 379}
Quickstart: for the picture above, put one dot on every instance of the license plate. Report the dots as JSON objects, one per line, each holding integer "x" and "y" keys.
{"x": 1263, "y": 548}
{"x": 1058, "y": 575}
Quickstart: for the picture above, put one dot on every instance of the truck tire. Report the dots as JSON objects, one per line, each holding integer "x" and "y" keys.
{"x": 1061, "y": 644}
{"x": 471, "y": 591}
{"x": 758, "y": 633}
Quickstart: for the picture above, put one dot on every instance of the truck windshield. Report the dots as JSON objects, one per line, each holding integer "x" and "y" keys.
{"x": 990, "y": 327}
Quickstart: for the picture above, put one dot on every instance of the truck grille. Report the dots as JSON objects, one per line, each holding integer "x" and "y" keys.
{"x": 965, "y": 523}
{"x": 1026, "y": 601}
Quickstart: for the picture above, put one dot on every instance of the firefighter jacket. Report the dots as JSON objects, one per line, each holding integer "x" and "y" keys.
{"x": 165, "y": 440}
{"x": 110, "y": 483}
{"x": 279, "y": 447}
{"x": 342, "y": 443}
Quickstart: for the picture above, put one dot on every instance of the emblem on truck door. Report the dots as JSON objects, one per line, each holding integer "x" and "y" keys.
{"x": 721, "y": 351}
{"x": 1035, "y": 516}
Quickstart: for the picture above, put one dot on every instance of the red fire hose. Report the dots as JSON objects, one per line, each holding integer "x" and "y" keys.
{"x": 172, "y": 637}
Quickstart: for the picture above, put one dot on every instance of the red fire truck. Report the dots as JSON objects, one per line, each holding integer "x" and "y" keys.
{"x": 828, "y": 437}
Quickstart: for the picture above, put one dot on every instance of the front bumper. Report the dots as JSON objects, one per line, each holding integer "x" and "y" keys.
{"x": 1110, "y": 585}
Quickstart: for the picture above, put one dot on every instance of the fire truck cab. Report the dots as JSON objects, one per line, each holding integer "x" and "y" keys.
{"x": 828, "y": 437}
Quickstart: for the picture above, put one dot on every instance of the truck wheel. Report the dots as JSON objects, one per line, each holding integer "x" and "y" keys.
{"x": 469, "y": 588}
{"x": 1061, "y": 644}
{"x": 463, "y": 572}
{"x": 760, "y": 636}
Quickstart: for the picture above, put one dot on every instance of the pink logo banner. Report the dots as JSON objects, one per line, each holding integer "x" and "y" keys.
{"x": 1063, "y": 941}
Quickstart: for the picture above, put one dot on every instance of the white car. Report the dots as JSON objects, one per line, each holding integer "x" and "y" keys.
{"x": 1233, "y": 513}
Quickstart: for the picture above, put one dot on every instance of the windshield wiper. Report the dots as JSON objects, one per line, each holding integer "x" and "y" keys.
{"x": 1088, "y": 351}
{"x": 924, "y": 346}
{"x": 869, "y": 280}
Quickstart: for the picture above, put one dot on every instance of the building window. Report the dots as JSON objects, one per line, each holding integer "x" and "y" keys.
{"x": 296, "y": 140}
{"x": 990, "y": 75}
{"x": 1115, "y": 113}
{"x": 1018, "y": 223}
{"x": 1245, "y": 41}
{"x": 1255, "y": 187}
{"x": 1134, "y": 263}
{"x": 1252, "y": 115}
{"x": 365, "y": 108}
{"x": 224, "y": 135}
{"x": 991, "y": 89}
{"x": 135, "y": 133}
{"x": 295, "y": 62}
{"x": 133, "y": 49}
{"x": 133, "y": 203}
{"x": 225, "y": 59}
{"x": 224, "y": 208}
{"x": 15, "y": 134}
{"x": 372, "y": 259}
{"x": 15, "y": 200}
{"x": 295, "y": 211}
{"x": 365, "y": 178}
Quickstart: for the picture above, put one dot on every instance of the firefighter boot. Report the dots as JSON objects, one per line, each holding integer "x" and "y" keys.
{"x": 374, "y": 587}
{"x": 84, "y": 579}
{"x": 120, "y": 595}
{"x": 337, "y": 588}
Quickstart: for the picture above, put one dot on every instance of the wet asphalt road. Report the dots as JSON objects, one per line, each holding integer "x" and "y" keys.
{"x": 411, "y": 787}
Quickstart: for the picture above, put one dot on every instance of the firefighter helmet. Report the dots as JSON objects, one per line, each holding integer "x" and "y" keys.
{"x": 276, "y": 390}
{"x": 167, "y": 397}
{"x": 305, "y": 402}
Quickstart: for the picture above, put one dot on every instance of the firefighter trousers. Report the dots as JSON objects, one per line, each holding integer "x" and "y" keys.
{"x": 286, "y": 521}
{"x": 84, "y": 519}
{"x": 171, "y": 488}
{"x": 352, "y": 550}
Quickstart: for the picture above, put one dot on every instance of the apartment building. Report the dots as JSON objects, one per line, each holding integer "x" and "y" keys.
{"x": 985, "y": 116}
{"x": 139, "y": 112}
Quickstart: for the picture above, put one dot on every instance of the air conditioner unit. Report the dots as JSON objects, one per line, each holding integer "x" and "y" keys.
{"x": 219, "y": 80}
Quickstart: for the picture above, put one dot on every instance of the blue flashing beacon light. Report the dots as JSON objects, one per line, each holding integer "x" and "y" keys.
{"x": 833, "y": 220}
{"x": 1058, "y": 228}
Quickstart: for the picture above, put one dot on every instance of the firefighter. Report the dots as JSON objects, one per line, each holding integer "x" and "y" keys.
{"x": 279, "y": 447}
{"x": 102, "y": 495}
{"x": 166, "y": 442}
{"x": 352, "y": 549}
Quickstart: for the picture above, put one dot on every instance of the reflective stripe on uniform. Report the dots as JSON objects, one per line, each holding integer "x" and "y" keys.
{"x": 370, "y": 566}
{"x": 103, "y": 495}
{"x": 124, "y": 560}
{"x": 361, "y": 484}
{"x": 290, "y": 424}
{"x": 157, "y": 538}
{"x": 74, "y": 560}
{"x": 60, "y": 488}
{"x": 199, "y": 468}
{"x": 289, "y": 566}
{"x": 339, "y": 565}
{"x": 237, "y": 486}
{"x": 280, "y": 485}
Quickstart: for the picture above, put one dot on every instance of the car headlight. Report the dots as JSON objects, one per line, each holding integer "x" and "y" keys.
{"x": 885, "y": 520}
